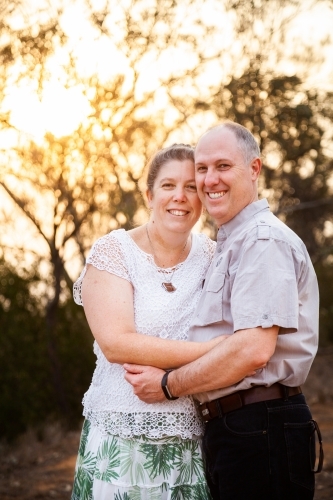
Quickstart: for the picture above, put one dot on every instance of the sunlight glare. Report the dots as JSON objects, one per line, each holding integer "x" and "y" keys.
{"x": 60, "y": 110}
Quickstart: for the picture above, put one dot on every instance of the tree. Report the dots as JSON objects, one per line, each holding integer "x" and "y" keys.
{"x": 74, "y": 188}
{"x": 27, "y": 392}
{"x": 292, "y": 125}
{"x": 324, "y": 272}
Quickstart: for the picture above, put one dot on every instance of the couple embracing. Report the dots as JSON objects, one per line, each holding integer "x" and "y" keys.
{"x": 201, "y": 347}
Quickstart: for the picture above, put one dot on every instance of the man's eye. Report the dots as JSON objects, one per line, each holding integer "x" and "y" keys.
{"x": 201, "y": 169}
{"x": 224, "y": 166}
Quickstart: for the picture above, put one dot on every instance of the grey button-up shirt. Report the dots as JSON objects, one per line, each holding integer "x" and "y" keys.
{"x": 261, "y": 276}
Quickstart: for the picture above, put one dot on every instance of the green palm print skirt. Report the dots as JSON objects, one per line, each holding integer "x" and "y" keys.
{"x": 114, "y": 468}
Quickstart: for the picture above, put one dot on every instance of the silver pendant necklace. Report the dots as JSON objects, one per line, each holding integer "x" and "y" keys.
{"x": 167, "y": 285}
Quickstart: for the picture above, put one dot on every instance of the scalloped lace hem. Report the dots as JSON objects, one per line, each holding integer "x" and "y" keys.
{"x": 152, "y": 425}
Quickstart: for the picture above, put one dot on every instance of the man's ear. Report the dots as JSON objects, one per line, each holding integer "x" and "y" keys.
{"x": 255, "y": 166}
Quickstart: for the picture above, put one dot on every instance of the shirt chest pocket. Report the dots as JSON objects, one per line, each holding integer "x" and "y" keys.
{"x": 210, "y": 307}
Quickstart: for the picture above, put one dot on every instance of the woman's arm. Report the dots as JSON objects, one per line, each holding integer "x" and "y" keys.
{"x": 108, "y": 305}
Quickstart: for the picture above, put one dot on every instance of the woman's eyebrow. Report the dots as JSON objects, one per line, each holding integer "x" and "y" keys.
{"x": 166, "y": 179}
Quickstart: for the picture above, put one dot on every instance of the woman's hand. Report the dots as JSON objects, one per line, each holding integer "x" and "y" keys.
{"x": 146, "y": 382}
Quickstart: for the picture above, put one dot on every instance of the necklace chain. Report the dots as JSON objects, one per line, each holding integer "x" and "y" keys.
{"x": 167, "y": 285}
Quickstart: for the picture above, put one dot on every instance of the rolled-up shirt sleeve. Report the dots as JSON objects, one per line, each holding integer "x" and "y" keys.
{"x": 265, "y": 287}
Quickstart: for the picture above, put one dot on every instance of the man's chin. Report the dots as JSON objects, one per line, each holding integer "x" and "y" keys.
{"x": 218, "y": 213}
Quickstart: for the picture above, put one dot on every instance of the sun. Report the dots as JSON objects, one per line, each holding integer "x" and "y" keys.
{"x": 59, "y": 110}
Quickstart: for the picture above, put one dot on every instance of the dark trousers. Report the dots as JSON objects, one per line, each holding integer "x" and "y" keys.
{"x": 262, "y": 451}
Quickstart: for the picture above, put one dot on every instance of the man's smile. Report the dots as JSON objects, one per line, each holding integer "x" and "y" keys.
{"x": 216, "y": 195}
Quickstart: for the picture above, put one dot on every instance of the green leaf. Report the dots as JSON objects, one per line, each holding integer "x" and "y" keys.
{"x": 108, "y": 460}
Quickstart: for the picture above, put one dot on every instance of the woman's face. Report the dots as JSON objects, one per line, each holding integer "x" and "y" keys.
{"x": 174, "y": 200}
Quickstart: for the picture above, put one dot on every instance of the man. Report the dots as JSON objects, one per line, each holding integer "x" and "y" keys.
{"x": 261, "y": 292}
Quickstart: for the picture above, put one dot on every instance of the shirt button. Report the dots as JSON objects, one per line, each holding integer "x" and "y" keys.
{"x": 219, "y": 249}
{"x": 264, "y": 316}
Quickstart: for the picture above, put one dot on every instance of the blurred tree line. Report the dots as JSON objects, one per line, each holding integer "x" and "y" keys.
{"x": 171, "y": 75}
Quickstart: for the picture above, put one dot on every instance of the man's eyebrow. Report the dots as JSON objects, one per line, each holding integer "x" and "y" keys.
{"x": 214, "y": 162}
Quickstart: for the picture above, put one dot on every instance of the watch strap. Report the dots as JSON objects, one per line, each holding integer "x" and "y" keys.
{"x": 165, "y": 388}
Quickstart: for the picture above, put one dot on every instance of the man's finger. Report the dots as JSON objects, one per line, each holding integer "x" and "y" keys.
{"x": 132, "y": 368}
{"x": 129, "y": 377}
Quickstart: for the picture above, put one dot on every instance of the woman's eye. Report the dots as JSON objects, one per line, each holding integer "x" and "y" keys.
{"x": 167, "y": 185}
{"x": 192, "y": 187}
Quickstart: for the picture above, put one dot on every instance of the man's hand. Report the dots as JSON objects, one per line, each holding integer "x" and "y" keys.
{"x": 146, "y": 382}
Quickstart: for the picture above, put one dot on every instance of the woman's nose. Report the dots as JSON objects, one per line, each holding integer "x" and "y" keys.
{"x": 179, "y": 194}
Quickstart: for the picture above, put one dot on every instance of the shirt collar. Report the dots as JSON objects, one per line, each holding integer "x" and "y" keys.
{"x": 249, "y": 211}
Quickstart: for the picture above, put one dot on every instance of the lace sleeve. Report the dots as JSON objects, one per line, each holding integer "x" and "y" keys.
{"x": 107, "y": 254}
{"x": 211, "y": 244}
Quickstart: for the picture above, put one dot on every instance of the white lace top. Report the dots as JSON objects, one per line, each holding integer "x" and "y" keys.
{"x": 110, "y": 403}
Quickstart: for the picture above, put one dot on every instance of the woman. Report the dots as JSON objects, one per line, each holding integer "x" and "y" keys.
{"x": 139, "y": 290}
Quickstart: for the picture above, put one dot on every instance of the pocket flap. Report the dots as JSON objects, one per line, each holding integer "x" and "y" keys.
{"x": 215, "y": 282}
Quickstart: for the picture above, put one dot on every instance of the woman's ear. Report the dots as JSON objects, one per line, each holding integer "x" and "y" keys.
{"x": 149, "y": 198}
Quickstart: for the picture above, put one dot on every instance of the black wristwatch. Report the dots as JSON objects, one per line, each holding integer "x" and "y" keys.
{"x": 164, "y": 386}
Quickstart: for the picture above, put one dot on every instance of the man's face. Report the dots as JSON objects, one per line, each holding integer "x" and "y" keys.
{"x": 225, "y": 183}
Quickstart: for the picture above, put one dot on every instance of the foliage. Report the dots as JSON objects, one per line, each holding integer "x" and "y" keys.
{"x": 264, "y": 35}
{"x": 89, "y": 181}
{"x": 72, "y": 189}
{"x": 152, "y": 88}
{"x": 21, "y": 354}
{"x": 28, "y": 397}
{"x": 293, "y": 127}
{"x": 325, "y": 279}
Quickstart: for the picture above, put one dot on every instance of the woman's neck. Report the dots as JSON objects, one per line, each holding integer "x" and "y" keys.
{"x": 167, "y": 249}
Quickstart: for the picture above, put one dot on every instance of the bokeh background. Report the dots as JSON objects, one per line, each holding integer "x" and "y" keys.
{"x": 89, "y": 90}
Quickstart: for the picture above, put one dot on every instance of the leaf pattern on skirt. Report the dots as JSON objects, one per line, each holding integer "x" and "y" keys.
{"x": 115, "y": 468}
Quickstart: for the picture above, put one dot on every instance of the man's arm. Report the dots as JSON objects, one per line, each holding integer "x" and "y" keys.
{"x": 226, "y": 364}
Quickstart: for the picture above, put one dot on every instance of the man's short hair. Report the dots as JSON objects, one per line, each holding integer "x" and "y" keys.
{"x": 245, "y": 140}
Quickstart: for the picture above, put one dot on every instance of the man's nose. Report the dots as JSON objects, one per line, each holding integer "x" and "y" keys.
{"x": 212, "y": 177}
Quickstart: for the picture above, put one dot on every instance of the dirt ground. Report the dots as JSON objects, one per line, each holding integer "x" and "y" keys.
{"x": 42, "y": 470}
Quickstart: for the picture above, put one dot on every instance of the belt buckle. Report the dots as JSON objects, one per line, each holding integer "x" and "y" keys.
{"x": 204, "y": 412}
